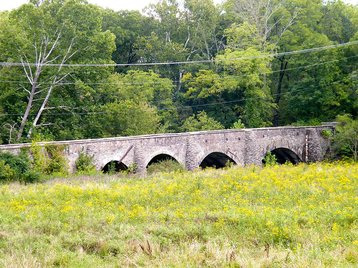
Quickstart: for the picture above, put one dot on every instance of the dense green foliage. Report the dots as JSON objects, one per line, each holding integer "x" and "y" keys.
{"x": 345, "y": 141}
{"x": 277, "y": 216}
{"x": 38, "y": 162}
{"x": 17, "y": 168}
{"x": 84, "y": 163}
{"x": 240, "y": 85}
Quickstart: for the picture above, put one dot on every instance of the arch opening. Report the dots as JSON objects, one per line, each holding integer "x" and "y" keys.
{"x": 114, "y": 167}
{"x": 163, "y": 163}
{"x": 160, "y": 158}
{"x": 284, "y": 155}
{"x": 217, "y": 160}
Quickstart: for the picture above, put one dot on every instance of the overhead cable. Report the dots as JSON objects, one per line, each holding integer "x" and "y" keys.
{"x": 294, "y": 91}
{"x": 181, "y": 81}
{"x": 288, "y": 53}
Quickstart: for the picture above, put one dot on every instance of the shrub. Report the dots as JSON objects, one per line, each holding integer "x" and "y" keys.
{"x": 39, "y": 157}
{"x": 48, "y": 159}
{"x": 31, "y": 176}
{"x": 57, "y": 162}
{"x": 327, "y": 134}
{"x": 6, "y": 172}
{"x": 345, "y": 141}
{"x": 310, "y": 122}
{"x": 132, "y": 168}
{"x": 238, "y": 125}
{"x": 17, "y": 168}
{"x": 270, "y": 159}
{"x": 84, "y": 163}
{"x": 20, "y": 164}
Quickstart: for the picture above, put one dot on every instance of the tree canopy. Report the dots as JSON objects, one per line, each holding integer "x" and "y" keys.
{"x": 242, "y": 71}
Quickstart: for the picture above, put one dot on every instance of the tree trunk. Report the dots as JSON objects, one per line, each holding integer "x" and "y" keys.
{"x": 283, "y": 67}
{"x": 29, "y": 105}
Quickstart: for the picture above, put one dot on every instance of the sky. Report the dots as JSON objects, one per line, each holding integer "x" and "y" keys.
{"x": 113, "y": 4}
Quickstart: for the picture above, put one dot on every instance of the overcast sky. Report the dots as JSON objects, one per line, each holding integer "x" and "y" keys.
{"x": 113, "y": 4}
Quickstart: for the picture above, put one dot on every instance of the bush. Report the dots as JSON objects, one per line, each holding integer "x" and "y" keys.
{"x": 327, "y": 134}
{"x": 84, "y": 163}
{"x": 44, "y": 160}
{"x": 310, "y": 122}
{"x": 6, "y": 172}
{"x": 17, "y": 168}
{"x": 270, "y": 159}
{"x": 57, "y": 162}
{"x": 48, "y": 159}
{"x": 31, "y": 176}
{"x": 39, "y": 157}
{"x": 238, "y": 125}
{"x": 132, "y": 168}
{"x": 20, "y": 164}
{"x": 345, "y": 141}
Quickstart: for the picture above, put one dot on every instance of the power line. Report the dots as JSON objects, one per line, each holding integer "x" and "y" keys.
{"x": 177, "y": 81}
{"x": 182, "y": 107}
{"x": 296, "y": 52}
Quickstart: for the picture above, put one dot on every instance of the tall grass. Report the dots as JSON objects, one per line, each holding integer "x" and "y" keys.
{"x": 164, "y": 166}
{"x": 299, "y": 216}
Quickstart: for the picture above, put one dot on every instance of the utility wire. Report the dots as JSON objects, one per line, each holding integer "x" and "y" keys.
{"x": 300, "y": 89}
{"x": 177, "y": 81}
{"x": 288, "y": 53}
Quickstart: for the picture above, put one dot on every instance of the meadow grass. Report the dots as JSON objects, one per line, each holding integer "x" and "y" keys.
{"x": 279, "y": 216}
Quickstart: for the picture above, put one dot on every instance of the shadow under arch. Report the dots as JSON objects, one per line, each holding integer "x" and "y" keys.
{"x": 216, "y": 160}
{"x": 160, "y": 158}
{"x": 284, "y": 155}
{"x": 114, "y": 166}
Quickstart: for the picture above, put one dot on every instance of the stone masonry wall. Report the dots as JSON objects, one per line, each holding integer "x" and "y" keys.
{"x": 246, "y": 146}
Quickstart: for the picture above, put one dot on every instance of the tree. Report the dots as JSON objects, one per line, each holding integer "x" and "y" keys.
{"x": 43, "y": 57}
{"x": 270, "y": 18}
{"x": 128, "y": 27}
{"x": 346, "y": 137}
{"x": 152, "y": 49}
{"x": 52, "y": 32}
{"x": 338, "y": 21}
{"x": 202, "y": 19}
{"x": 142, "y": 87}
{"x": 244, "y": 62}
{"x": 128, "y": 118}
{"x": 199, "y": 122}
{"x": 213, "y": 93}
{"x": 195, "y": 29}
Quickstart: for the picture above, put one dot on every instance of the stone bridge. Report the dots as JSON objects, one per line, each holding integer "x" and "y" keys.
{"x": 198, "y": 149}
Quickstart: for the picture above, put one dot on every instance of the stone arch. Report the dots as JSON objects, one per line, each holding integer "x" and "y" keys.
{"x": 159, "y": 158}
{"x": 284, "y": 155}
{"x": 114, "y": 166}
{"x": 216, "y": 160}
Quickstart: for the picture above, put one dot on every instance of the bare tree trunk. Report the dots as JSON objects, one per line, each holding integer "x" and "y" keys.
{"x": 12, "y": 128}
{"x": 260, "y": 14}
{"x": 43, "y": 53}
{"x": 56, "y": 81}
{"x": 30, "y": 101}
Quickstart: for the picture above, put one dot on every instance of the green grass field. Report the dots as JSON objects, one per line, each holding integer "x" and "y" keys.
{"x": 291, "y": 216}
